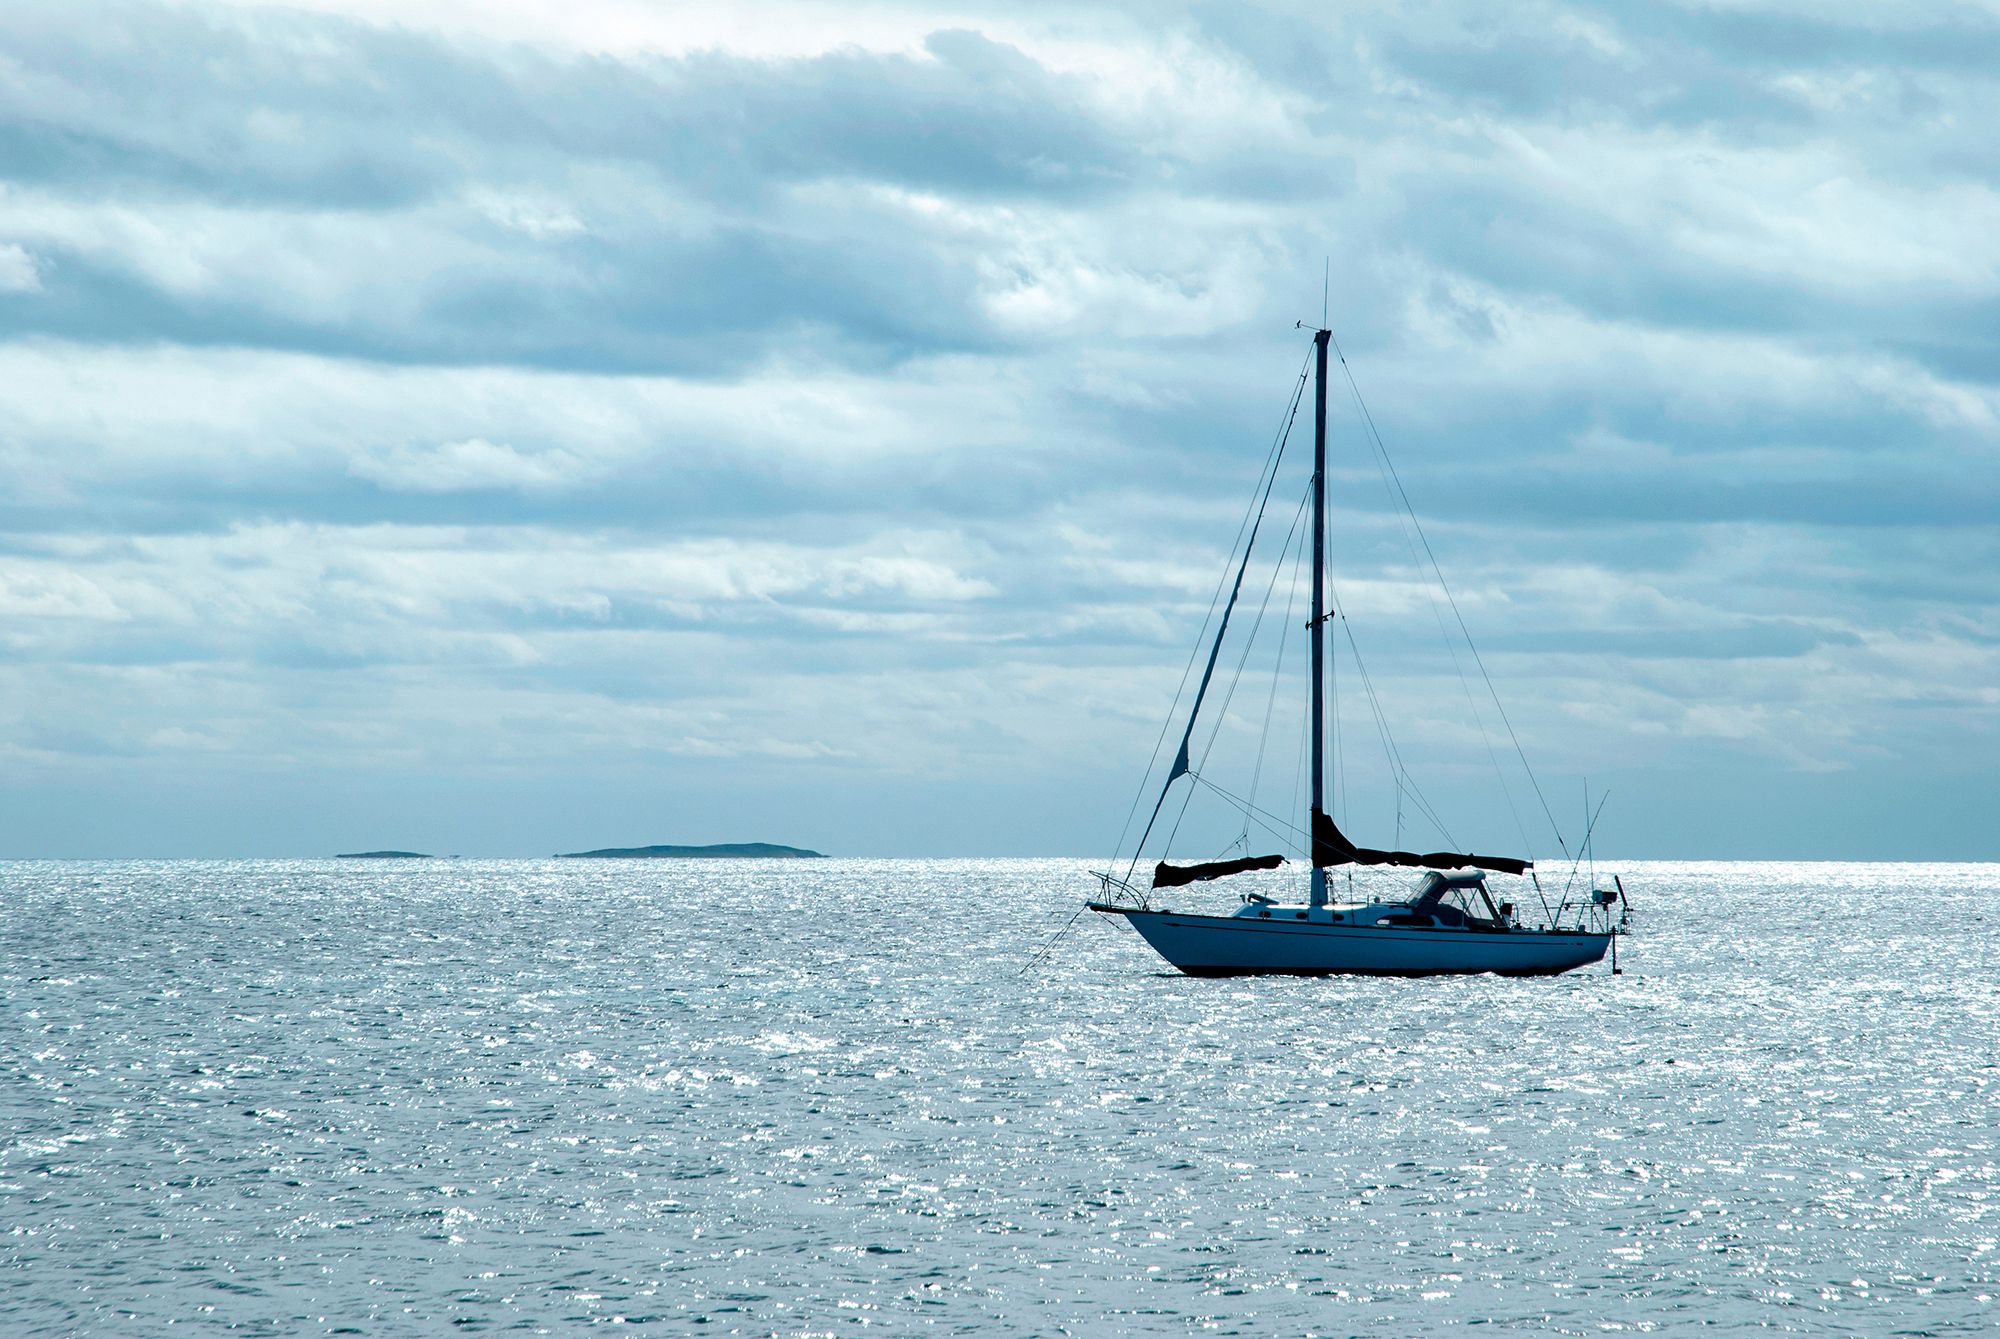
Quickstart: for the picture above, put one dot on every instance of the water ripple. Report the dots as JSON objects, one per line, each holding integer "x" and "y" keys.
{"x": 803, "y": 1099}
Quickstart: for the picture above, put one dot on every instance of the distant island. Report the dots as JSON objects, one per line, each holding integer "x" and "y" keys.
{"x": 383, "y": 855}
{"x": 723, "y": 851}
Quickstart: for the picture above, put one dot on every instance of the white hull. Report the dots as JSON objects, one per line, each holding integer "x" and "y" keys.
{"x": 1235, "y": 946}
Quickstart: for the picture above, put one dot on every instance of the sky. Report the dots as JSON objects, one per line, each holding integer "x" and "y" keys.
{"x": 506, "y": 428}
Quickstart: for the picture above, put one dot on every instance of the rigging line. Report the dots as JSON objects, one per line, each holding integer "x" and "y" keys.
{"x": 1255, "y": 510}
{"x": 1274, "y": 822}
{"x": 1187, "y": 798}
{"x": 1194, "y": 654}
{"x": 1451, "y": 648}
{"x": 1229, "y": 694}
{"x": 1250, "y": 642}
{"x": 1236, "y": 677}
{"x": 1375, "y": 706}
{"x": 1590, "y": 851}
{"x": 1278, "y": 666}
{"x": 1180, "y": 763}
{"x": 1393, "y": 480}
{"x": 1590, "y": 823}
{"x": 1404, "y": 524}
{"x": 1139, "y": 795}
{"x": 1336, "y": 606}
{"x": 1471, "y": 646}
{"x": 1305, "y": 728}
{"x": 1029, "y": 965}
{"x": 1180, "y": 756}
{"x": 1270, "y": 822}
{"x": 1343, "y": 796}
{"x": 1339, "y": 752}
{"x": 1406, "y": 783}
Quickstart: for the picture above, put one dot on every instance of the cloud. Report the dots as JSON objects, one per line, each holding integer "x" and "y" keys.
{"x": 471, "y": 464}
{"x": 867, "y": 205}
{"x": 18, "y": 271}
{"x": 780, "y": 397}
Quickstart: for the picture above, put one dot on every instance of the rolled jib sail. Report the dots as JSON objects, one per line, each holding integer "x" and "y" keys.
{"x": 1173, "y": 876}
{"x": 1331, "y": 847}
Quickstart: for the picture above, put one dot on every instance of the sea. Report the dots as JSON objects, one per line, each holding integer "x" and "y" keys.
{"x": 846, "y": 1097}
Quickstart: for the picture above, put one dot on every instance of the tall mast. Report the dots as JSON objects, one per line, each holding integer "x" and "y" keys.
{"x": 1318, "y": 625}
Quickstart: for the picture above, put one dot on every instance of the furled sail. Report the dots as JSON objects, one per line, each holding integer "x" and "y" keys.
{"x": 1331, "y": 847}
{"x": 1181, "y": 766}
{"x": 1173, "y": 876}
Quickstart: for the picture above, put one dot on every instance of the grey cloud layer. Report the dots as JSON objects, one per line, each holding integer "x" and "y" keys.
{"x": 743, "y": 422}
{"x": 344, "y": 190}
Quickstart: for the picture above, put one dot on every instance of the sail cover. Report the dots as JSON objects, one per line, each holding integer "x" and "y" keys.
{"x": 1331, "y": 847}
{"x": 1173, "y": 876}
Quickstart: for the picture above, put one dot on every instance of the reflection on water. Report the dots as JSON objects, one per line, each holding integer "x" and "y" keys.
{"x": 788, "y": 1098}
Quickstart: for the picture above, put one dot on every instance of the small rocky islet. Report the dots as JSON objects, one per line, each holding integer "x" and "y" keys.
{"x": 720, "y": 851}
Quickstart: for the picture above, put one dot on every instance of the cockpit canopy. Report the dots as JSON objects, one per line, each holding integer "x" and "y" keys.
{"x": 1455, "y": 899}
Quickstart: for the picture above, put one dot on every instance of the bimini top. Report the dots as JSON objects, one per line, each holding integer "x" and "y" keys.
{"x": 1471, "y": 904}
{"x": 1434, "y": 885}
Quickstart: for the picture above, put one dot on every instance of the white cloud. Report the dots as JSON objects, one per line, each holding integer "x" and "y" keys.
{"x": 36, "y": 591}
{"x": 541, "y": 218}
{"x": 874, "y": 388}
{"x": 18, "y": 271}
{"x": 471, "y": 464}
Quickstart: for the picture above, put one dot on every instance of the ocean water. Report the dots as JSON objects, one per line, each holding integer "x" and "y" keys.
{"x": 821, "y": 1098}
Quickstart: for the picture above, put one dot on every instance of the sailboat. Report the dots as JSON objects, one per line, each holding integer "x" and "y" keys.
{"x": 1450, "y": 922}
